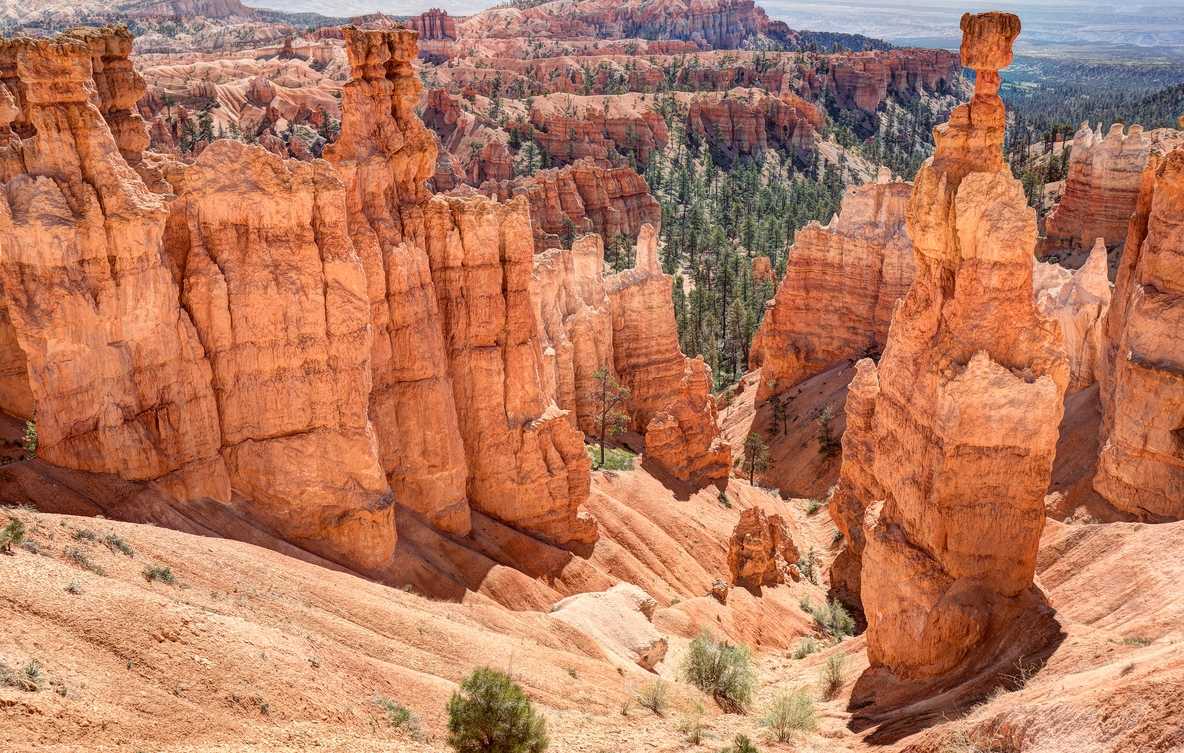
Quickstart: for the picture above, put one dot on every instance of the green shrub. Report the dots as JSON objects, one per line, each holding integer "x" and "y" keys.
{"x": 84, "y": 534}
{"x": 809, "y": 566}
{"x": 721, "y": 669}
{"x": 692, "y": 725}
{"x": 78, "y": 556}
{"x": 805, "y": 647}
{"x": 788, "y": 715}
{"x": 116, "y": 544}
{"x": 491, "y": 714}
{"x": 1137, "y": 641}
{"x": 398, "y": 715}
{"x": 74, "y": 588}
{"x": 813, "y": 505}
{"x": 162, "y": 574}
{"x": 13, "y": 533}
{"x": 833, "y": 675}
{"x": 834, "y": 618}
{"x": 27, "y": 679}
{"x": 615, "y": 459}
{"x": 741, "y": 744}
{"x": 652, "y": 696}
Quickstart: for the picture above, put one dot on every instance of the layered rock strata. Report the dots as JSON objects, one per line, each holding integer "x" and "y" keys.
{"x": 670, "y": 393}
{"x": 527, "y": 463}
{"x": 603, "y": 200}
{"x": 383, "y": 155}
{"x": 619, "y": 620}
{"x": 1078, "y": 301}
{"x": 1101, "y": 189}
{"x": 745, "y": 127}
{"x": 575, "y": 325}
{"x": 1141, "y": 461}
{"x": 971, "y": 385}
{"x": 840, "y": 286}
{"x": 761, "y": 551}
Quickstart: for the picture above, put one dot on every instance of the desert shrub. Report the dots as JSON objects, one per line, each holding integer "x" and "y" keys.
{"x": 84, "y": 534}
{"x": 162, "y": 574}
{"x": 79, "y": 557}
{"x": 741, "y": 744}
{"x": 724, "y": 670}
{"x": 812, "y": 506}
{"x": 836, "y": 536}
{"x": 833, "y": 675}
{"x": 806, "y": 646}
{"x": 692, "y": 725}
{"x": 834, "y": 618}
{"x": 13, "y": 533}
{"x": 398, "y": 715}
{"x": 960, "y": 739}
{"x": 116, "y": 544}
{"x": 74, "y": 588}
{"x": 28, "y": 678}
{"x": 808, "y": 565}
{"x": 491, "y": 714}
{"x": 652, "y": 696}
{"x": 1137, "y": 641}
{"x": 788, "y": 715}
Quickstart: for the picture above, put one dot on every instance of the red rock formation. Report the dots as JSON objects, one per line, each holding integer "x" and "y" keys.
{"x": 574, "y": 324}
{"x": 16, "y": 396}
{"x": 841, "y": 284}
{"x": 858, "y": 486}
{"x": 599, "y": 200}
{"x": 971, "y": 388}
{"x": 437, "y": 33}
{"x": 118, "y": 85}
{"x": 864, "y": 79}
{"x": 572, "y": 133}
{"x": 527, "y": 464}
{"x": 1078, "y": 301}
{"x": 384, "y": 154}
{"x": 277, "y": 297}
{"x": 1101, "y": 190}
{"x": 746, "y": 126}
{"x": 669, "y": 392}
{"x": 762, "y": 269}
{"x": 1141, "y": 462}
{"x": 114, "y": 365}
{"x": 458, "y": 132}
{"x": 761, "y": 551}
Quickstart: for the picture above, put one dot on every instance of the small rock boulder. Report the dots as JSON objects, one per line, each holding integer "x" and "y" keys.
{"x": 619, "y": 621}
{"x": 761, "y": 551}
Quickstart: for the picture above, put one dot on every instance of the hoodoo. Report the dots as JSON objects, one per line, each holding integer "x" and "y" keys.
{"x": 970, "y": 395}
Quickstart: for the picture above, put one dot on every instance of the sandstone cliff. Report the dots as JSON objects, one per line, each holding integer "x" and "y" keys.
{"x": 277, "y": 297}
{"x": 383, "y": 155}
{"x": 1140, "y": 465}
{"x": 527, "y": 463}
{"x": 1101, "y": 189}
{"x": 744, "y": 127}
{"x": 840, "y": 286}
{"x": 761, "y": 551}
{"x": 670, "y": 393}
{"x": 114, "y": 365}
{"x": 574, "y": 323}
{"x": 971, "y": 385}
{"x": 603, "y": 200}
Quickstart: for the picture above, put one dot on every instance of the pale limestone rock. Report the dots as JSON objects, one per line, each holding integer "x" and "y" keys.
{"x": 1101, "y": 188}
{"x": 619, "y": 621}
{"x": 1078, "y": 301}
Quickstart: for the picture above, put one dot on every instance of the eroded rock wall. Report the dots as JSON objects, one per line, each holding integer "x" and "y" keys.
{"x": 971, "y": 387}
{"x": 383, "y": 155}
{"x": 744, "y": 127}
{"x": 1141, "y": 461}
{"x": 1101, "y": 189}
{"x": 1078, "y": 301}
{"x": 670, "y": 393}
{"x": 840, "y": 286}
{"x": 527, "y": 463}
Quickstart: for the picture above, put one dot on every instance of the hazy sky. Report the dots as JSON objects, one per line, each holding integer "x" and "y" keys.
{"x": 934, "y": 21}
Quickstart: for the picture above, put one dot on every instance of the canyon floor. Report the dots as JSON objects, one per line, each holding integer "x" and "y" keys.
{"x": 249, "y": 648}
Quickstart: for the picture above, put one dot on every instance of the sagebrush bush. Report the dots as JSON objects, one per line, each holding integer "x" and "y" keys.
{"x": 491, "y": 714}
{"x": 692, "y": 724}
{"x": 162, "y": 574}
{"x": 741, "y": 744}
{"x": 788, "y": 715}
{"x": 833, "y": 675}
{"x": 806, "y": 646}
{"x": 724, "y": 670}
{"x": 13, "y": 533}
{"x": 652, "y": 696}
{"x": 834, "y": 618}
